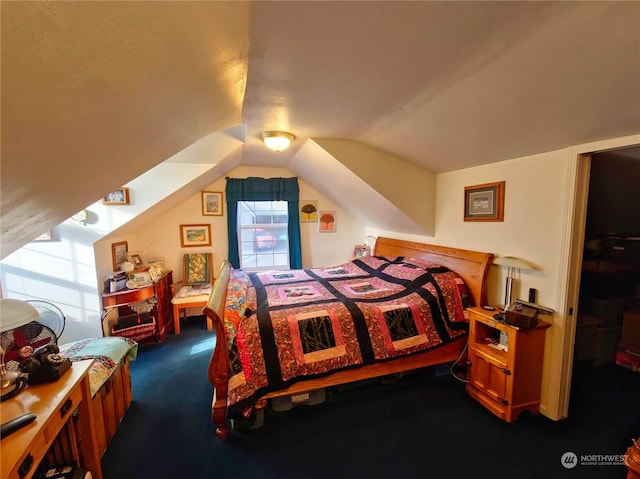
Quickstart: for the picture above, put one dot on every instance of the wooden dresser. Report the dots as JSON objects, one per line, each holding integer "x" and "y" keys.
{"x": 158, "y": 294}
{"x": 57, "y": 436}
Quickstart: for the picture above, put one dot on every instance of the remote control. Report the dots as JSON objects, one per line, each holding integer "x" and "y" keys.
{"x": 15, "y": 424}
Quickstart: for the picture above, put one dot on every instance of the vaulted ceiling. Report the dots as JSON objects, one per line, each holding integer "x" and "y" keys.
{"x": 96, "y": 93}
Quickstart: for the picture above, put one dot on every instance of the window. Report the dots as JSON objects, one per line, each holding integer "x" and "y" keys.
{"x": 276, "y": 192}
{"x": 263, "y": 239}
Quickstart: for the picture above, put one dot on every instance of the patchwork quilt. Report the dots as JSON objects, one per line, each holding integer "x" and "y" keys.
{"x": 282, "y": 326}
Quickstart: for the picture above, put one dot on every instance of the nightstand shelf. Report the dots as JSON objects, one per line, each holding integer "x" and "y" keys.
{"x": 505, "y": 365}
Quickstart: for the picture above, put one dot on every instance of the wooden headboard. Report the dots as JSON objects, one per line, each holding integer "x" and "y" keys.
{"x": 472, "y": 266}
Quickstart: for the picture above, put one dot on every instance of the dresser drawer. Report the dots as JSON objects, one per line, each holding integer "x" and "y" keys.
{"x": 31, "y": 458}
{"x": 57, "y": 420}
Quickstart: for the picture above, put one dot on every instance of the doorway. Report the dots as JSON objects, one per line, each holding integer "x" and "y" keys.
{"x": 608, "y": 282}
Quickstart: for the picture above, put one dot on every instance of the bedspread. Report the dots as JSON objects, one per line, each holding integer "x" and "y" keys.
{"x": 285, "y": 325}
{"x": 106, "y": 352}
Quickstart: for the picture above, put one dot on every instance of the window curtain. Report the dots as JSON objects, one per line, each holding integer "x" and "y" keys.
{"x": 264, "y": 189}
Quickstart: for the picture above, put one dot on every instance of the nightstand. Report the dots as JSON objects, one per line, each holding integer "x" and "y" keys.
{"x": 505, "y": 365}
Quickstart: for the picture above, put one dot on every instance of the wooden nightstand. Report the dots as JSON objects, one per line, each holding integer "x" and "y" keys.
{"x": 505, "y": 364}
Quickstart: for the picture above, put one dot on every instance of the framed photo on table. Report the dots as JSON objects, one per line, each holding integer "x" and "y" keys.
{"x": 484, "y": 202}
{"x": 195, "y": 235}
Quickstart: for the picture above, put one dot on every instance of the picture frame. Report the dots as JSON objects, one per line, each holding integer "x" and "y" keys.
{"x": 327, "y": 221}
{"x": 361, "y": 250}
{"x": 212, "y": 203}
{"x": 119, "y": 252}
{"x": 117, "y": 197}
{"x": 195, "y": 235}
{"x": 484, "y": 202}
{"x": 309, "y": 211}
{"x": 137, "y": 259}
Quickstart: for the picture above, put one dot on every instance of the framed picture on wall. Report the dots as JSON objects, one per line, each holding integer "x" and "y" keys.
{"x": 195, "y": 235}
{"x": 212, "y": 204}
{"x": 118, "y": 254}
{"x": 327, "y": 221}
{"x": 117, "y": 197}
{"x": 484, "y": 202}
{"x": 308, "y": 211}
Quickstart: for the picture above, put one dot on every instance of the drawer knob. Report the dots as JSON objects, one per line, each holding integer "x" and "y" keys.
{"x": 66, "y": 407}
{"x": 25, "y": 467}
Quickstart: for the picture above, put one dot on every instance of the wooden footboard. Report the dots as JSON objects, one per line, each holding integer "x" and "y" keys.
{"x": 110, "y": 403}
{"x": 219, "y": 364}
{"x": 470, "y": 265}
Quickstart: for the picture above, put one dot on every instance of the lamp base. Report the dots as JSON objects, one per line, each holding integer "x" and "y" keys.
{"x": 507, "y": 292}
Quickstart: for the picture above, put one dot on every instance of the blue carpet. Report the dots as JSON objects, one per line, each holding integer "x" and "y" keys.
{"x": 421, "y": 426}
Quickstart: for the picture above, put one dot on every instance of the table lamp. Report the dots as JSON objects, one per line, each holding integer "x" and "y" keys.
{"x": 512, "y": 264}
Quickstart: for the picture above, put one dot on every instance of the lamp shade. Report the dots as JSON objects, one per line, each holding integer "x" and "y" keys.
{"x": 277, "y": 140}
{"x": 15, "y": 313}
{"x": 513, "y": 262}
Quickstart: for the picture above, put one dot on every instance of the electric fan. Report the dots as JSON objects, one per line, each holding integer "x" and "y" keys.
{"x": 50, "y": 316}
{"x": 18, "y": 343}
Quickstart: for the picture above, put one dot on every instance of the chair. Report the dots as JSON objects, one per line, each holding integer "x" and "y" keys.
{"x": 197, "y": 280}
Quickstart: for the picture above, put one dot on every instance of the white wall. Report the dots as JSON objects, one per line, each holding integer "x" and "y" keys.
{"x": 535, "y": 199}
{"x": 69, "y": 270}
{"x": 162, "y": 237}
{"x": 533, "y": 229}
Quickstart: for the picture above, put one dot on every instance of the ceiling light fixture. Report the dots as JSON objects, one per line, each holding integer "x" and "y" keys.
{"x": 277, "y": 140}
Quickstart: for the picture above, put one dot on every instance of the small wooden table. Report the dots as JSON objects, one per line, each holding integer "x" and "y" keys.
{"x": 183, "y": 303}
{"x": 53, "y": 404}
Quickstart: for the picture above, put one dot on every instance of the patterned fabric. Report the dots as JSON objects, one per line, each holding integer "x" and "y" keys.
{"x": 196, "y": 268}
{"x": 286, "y": 325}
{"x": 106, "y": 352}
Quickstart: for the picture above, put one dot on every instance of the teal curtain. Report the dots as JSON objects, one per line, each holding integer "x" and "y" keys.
{"x": 264, "y": 189}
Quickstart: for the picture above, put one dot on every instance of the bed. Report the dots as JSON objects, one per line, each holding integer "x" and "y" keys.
{"x": 296, "y": 331}
{"x": 109, "y": 380}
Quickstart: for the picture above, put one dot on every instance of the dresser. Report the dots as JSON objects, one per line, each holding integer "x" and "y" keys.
{"x": 152, "y": 301}
{"x": 57, "y": 436}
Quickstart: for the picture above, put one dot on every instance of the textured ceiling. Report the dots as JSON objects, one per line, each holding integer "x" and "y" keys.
{"x": 96, "y": 93}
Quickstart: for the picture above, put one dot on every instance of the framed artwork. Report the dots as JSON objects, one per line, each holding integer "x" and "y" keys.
{"x": 118, "y": 254}
{"x": 137, "y": 259}
{"x": 361, "y": 250}
{"x": 212, "y": 204}
{"x": 308, "y": 211}
{"x": 484, "y": 202}
{"x": 327, "y": 221}
{"x": 117, "y": 197}
{"x": 195, "y": 235}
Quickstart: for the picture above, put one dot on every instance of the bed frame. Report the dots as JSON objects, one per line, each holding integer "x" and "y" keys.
{"x": 472, "y": 266}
